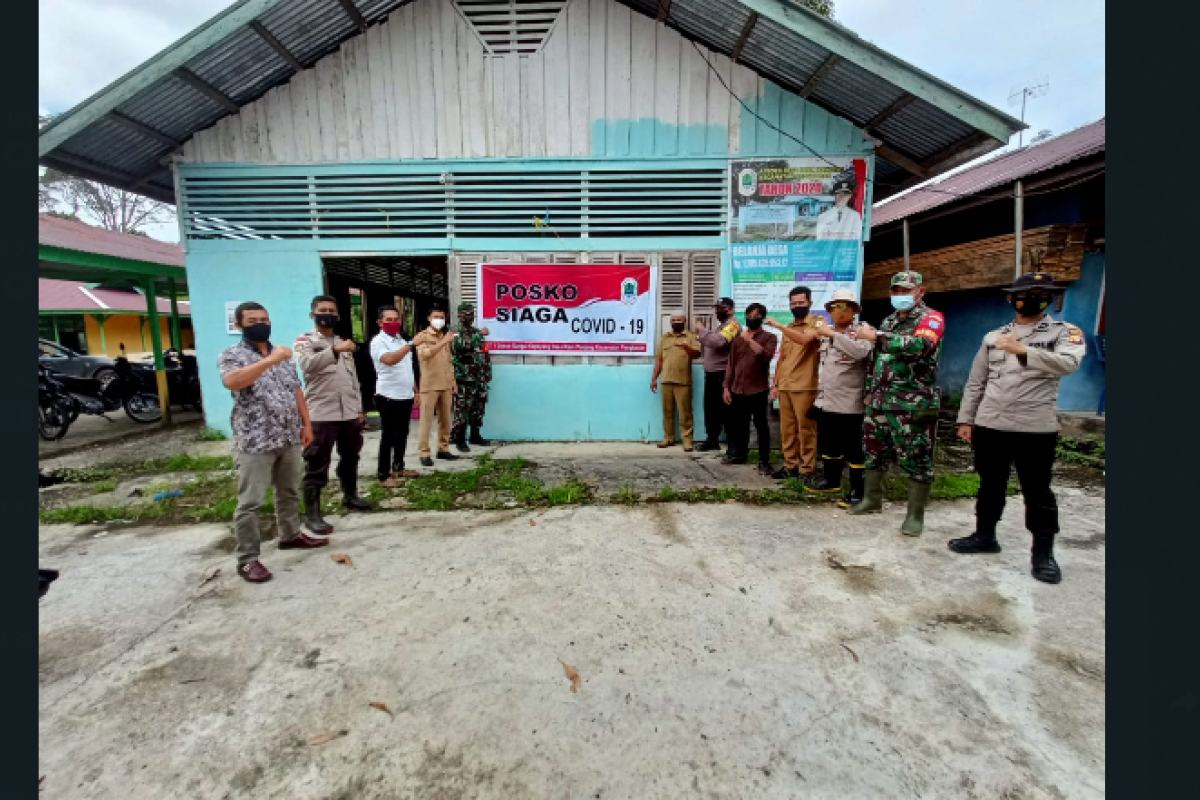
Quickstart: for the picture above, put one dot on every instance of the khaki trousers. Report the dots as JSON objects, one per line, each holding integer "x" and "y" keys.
{"x": 677, "y": 396}
{"x": 256, "y": 473}
{"x": 798, "y": 431}
{"x": 443, "y": 402}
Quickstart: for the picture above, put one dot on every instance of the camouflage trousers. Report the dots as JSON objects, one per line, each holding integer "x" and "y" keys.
{"x": 891, "y": 436}
{"x": 468, "y": 407}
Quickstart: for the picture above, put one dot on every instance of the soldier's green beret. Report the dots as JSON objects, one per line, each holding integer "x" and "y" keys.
{"x": 465, "y": 307}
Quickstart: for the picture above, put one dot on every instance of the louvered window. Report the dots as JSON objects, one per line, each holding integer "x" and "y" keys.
{"x": 512, "y": 26}
{"x": 327, "y": 203}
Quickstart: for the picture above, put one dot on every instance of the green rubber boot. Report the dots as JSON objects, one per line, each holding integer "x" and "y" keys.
{"x": 872, "y": 501}
{"x": 918, "y": 496}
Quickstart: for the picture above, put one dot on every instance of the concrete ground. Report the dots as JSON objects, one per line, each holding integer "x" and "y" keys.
{"x": 87, "y": 432}
{"x": 722, "y": 650}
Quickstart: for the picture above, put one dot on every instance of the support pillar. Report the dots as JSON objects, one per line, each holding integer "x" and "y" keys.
{"x": 176, "y": 339}
{"x": 160, "y": 369}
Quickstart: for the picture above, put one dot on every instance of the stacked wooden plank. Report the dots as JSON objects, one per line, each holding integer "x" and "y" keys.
{"x": 1057, "y": 249}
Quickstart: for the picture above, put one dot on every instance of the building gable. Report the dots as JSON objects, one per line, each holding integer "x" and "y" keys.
{"x": 607, "y": 82}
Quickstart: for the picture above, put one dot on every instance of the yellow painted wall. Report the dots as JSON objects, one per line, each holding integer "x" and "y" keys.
{"x": 129, "y": 328}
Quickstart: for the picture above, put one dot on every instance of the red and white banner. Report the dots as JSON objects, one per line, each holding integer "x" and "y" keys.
{"x": 558, "y": 309}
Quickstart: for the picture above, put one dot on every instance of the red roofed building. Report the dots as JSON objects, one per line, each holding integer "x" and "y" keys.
{"x": 99, "y": 319}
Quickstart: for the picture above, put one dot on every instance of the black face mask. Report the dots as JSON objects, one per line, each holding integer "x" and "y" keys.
{"x": 1027, "y": 305}
{"x": 325, "y": 320}
{"x": 754, "y": 323}
{"x": 800, "y": 312}
{"x": 258, "y": 332}
{"x": 723, "y": 315}
{"x": 466, "y": 319}
{"x": 677, "y": 326}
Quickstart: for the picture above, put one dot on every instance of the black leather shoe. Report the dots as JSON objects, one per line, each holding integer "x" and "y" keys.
{"x": 426, "y": 461}
{"x": 350, "y": 498}
{"x": 728, "y": 459}
{"x": 1045, "y": 569}
{"x": 477, "y": 438}
{"x": 975, "y": 543}
{"x": 462, "y": 446}
{"x": 445, "y": 455}
{"x": 706, "y": 447}
{"x": 765, "y": 469}
{"x": 783, "y": 473}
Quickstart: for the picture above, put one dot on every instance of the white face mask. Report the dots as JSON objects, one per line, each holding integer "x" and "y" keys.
{"x": 438, "y": 323}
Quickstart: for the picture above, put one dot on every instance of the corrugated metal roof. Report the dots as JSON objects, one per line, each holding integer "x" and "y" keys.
{"x": 788, "y": 45}
{"x": 84, "y": 238}
{"x": 56, "y": 295}
{"x": 1000, "y": 171}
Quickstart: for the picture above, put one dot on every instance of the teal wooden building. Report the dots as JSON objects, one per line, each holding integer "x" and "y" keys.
{"x": 380, "y": 149}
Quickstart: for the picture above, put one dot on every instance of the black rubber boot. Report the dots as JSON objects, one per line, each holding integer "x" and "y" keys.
{"x": 918, "y": 496}
{"x": 477, "y": 438}
{"x": 983, "y": 540}
{"x": 312, "y": 512}
{"x": 830, "y": 481}
{"x": 872, "y": 501}
{"x": 350, "y": 498}
{"x": 856, "y": 489}
{"x": 460, "y": 442}
{"x": 1043, "y": 565}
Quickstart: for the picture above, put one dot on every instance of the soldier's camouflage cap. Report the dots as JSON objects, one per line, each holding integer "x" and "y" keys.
{"x": 465, "y": 307}
{"x": 907, "y": 280}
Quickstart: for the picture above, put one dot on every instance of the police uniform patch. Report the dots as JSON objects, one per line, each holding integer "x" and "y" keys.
{"x": 1076, "y": 334}
{"x": 300, "y": 343}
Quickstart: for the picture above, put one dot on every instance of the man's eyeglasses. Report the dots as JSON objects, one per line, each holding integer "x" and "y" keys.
{"x": 839, "y": 307}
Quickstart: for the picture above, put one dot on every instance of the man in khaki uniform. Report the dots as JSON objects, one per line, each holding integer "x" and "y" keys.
{"x": 673, "y": 362}
{"x": 437, "y": 386}
{"x": 795, "y": 386}
{"x": 1008, "y": 414}
{"x": 335, "y": 406}
{"x": 839, "y": 406}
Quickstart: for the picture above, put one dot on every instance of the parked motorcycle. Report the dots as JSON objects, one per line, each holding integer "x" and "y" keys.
{"x": 62, "y": 398}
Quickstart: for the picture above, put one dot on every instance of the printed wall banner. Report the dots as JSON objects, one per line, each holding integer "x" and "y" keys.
{"x": 568, "y": 309}
{"x": 231, "y": 317}
{"x": 795, "y": 222}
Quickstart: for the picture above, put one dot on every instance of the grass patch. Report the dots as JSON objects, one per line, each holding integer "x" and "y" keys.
{"x": 776, "y": 456}
{"x": 104, "y": 486}
{"x": 625, "y": 496}
{"x": 115, "y": 472}
{"x": 570, "y": 493}
{"x": 208, "y": 499}
{"x": 210, "y": 435}
{"x": 1088, "y": 451}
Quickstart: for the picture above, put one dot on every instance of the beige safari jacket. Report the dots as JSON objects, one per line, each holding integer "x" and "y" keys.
{"x": 330, "y": 379}
{"x": 1020, "y": 393}
{"x": 844, "y": 360}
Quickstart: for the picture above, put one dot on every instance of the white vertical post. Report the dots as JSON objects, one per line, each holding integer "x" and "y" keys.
{"x": 905, "y": 244}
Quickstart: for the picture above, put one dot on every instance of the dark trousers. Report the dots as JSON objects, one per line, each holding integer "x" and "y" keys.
{"x": 747, "y": 407}
{"x": 395, "y": 417}
{"x": 716, "y": 413}
{"x": 840, "y": 436}
{"x": 347, "y": 436}
{"x": 996, "y": 452}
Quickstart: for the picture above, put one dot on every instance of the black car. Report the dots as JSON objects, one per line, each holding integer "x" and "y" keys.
{"x": 68, "y": 362}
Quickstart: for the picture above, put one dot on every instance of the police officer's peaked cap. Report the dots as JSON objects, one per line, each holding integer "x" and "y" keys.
{"x": 843, "y": 185}
{"x": 908, "y": 279}
{"x": 724, "y": 301}
{"x": 465, "y": 307}
{"x": 1035, "y": 280}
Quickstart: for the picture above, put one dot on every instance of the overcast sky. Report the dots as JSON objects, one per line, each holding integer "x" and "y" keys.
{"x": 984, "y": 48}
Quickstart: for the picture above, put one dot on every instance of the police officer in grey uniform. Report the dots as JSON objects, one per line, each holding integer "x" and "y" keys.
{"x": 1008, "y": 416}
{"x": 839, "y": 405}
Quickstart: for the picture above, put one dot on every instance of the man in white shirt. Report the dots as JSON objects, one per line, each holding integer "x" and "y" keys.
{"x": 395, "y": 393}
{"x": 841, "y": 221}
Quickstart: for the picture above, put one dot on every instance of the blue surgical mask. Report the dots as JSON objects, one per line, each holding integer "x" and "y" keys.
{"x": 903, "y": 302}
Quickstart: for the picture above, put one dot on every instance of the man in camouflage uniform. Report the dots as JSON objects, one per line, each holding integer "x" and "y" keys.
{"x": 473, "y": 373}
{"x": 901, "y": 404}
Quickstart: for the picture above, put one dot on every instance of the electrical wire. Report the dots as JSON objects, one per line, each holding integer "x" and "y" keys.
{"x": 870, "y": 181}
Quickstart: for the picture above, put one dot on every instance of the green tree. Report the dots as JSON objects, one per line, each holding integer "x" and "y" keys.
{"x": 72, "y": 197}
